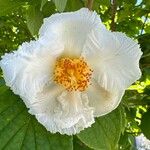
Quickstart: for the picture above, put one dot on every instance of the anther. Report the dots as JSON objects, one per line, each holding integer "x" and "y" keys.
{"x": 73, "y": 74}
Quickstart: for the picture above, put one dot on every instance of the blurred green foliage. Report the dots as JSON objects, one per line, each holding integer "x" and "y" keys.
{"x": 20, "y": 21}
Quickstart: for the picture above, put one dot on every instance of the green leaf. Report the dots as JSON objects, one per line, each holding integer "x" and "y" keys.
{"x": 2, "y": 82}
{"x": 144, "y": 41}
{"x": 34, "y": 19}
{"x": 3, "y": 88}
{"x": 48, "y": 9}
{"x": 105, "y": 133}
{"x": 43, "y": 2}
{"x": 127, "y": 142}
{"x": 60, "y": 5}
{"x": 145, "y": 124}
{"x": 78, "y": 145}
{"x": 7, "y": 6}
{"x": 73, "y": 5}
{"x": 20, "y": 130}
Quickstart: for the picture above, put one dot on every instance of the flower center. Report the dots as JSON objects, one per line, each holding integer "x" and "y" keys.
{"x": 73, "y": 74}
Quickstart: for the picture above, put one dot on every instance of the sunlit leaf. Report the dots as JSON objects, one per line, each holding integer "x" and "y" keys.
{"x": 7, "y": 6}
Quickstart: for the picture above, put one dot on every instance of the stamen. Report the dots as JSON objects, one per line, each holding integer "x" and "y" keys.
{"x": 73, "y": 74}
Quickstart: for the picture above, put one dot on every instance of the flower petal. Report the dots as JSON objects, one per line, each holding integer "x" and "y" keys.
{"x": 72, "y": 28}
{"x": 102, "y": 100}
{"x": 114, "y": 58}
{"x": 27, "y": 70}
{"x": 62, "y": 111}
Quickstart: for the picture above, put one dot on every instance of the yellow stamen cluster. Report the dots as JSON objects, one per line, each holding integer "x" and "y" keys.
{"x": 73, "y": 74}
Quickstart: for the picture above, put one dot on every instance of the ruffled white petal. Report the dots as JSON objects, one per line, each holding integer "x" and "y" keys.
{"x": 102, "y": 100}
{"x": 62, "y": 111}
{"x": 114, "y": 58}
{"x": 27, "y": 70}
{"x": 72, "y": 28}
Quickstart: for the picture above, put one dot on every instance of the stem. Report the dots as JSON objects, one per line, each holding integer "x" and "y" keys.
{"x": 144, "y": 24}
{"x": 113, "y": 14}
{"x": 89, "y": 4}
{"x": 147, "y": 55}
{"x": 138, "y": 102}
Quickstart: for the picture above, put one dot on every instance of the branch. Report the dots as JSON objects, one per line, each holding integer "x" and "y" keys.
{"x": 89, "y": 4}
{"x": 113, "y": 14}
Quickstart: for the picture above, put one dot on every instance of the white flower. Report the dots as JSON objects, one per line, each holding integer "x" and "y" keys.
{"x": 75, "y": 71}
{"x": 142, "y": 143}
